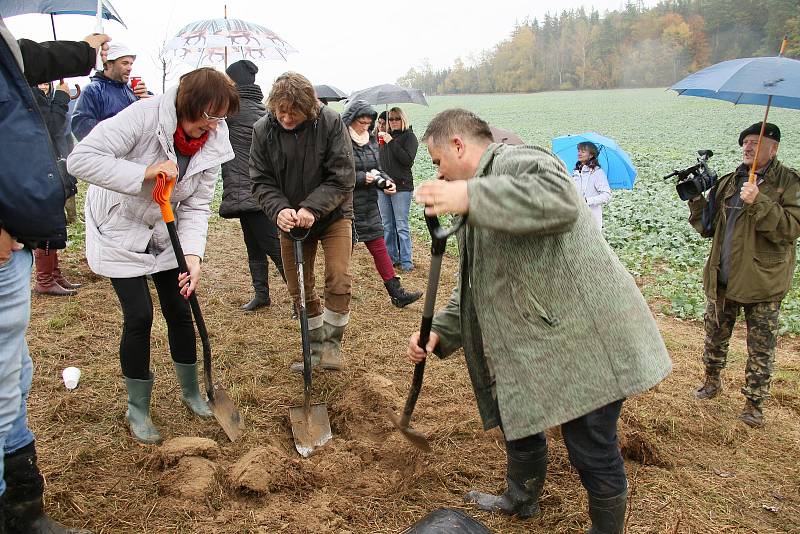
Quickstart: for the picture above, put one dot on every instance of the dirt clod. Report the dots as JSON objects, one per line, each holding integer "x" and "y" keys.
{"x": 176, "y": 448}
{"x": 192, "y": 478}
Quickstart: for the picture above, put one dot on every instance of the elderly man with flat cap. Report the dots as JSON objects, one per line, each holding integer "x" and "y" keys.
{"x": 754, "y": 229}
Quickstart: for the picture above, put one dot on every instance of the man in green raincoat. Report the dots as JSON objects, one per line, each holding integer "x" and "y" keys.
{"x": 554, "y": 329}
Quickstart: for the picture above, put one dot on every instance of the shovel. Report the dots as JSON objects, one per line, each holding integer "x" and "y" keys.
{"x": 220, "y": 403}
{"x": 439, "y": 237}
{"x": 311, "y": 426}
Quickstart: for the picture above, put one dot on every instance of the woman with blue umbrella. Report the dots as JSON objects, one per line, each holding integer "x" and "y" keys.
{"x": 591, "y": 180}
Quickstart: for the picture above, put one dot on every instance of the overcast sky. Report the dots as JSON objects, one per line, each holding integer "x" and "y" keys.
{"x": 370, "y": 43}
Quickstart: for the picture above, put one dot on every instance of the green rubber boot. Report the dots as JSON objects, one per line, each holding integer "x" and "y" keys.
{"x": 138, "y": 414}
{"x": 316, "y": 339}
{"x": 332, "y": 349}
{"x": 190, "y": 389}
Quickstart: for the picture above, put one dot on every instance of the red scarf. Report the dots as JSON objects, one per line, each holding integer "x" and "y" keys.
{"x": 188, "y": 146}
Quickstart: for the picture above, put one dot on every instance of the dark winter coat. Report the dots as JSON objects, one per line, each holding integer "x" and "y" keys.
{"x": 309, "y": 167}
{"x": 368, "y": 224}
{"x": 54, "y": 107}
{"x": 31, "y": 192}
{"x": 397, "y": 158}
{"x": 237, "y": 193}
{"x": 101, "y": 99}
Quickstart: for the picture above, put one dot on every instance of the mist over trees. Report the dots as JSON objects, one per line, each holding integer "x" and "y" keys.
{"x": 636, "y": 47}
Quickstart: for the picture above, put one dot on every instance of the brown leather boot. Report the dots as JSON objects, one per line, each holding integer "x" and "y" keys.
{"x": 711, "y": 388}
{"x": 59, "y": 278}
{"x": 752, "y": 414}
{"x": 45, "y": 281}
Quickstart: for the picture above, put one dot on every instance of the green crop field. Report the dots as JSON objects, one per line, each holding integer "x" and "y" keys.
{"x": 661, "y": 131}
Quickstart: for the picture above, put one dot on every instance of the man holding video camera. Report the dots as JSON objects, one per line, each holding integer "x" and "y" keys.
{"x": 754, "y": 229}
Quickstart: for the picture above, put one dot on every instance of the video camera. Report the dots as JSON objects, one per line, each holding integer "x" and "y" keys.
{"x": 696, "y": 179}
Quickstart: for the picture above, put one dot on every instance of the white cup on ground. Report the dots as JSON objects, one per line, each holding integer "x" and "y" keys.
{"x": 71, "y": 376}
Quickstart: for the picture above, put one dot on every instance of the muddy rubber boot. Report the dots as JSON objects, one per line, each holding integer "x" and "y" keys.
{"x": 316, "y": 339}
{"x": 400, "y": 297}
{"x": 59, "y": 277}
{"x": 332, "y": 349}
{"x": 712, "y": 386}
{"x": 138, "y": 414}
{"x": 45, "y": 282}
{"x": 190, "y": 389}
{"x": 608, "y": 515}
{"x": 22, "y": 503}
{"x": 525, "y": 477}
{"x": 752, "y": 415}
{"x": 259, "y": 275}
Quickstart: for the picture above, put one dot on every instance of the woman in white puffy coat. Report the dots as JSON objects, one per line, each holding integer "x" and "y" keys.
{"x": 181, "y": 133}
{"x": 591, "y": 181}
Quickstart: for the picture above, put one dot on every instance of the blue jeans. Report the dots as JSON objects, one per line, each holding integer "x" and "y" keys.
{"x": 394, "y": 213}
{"x": 16, "y": 368}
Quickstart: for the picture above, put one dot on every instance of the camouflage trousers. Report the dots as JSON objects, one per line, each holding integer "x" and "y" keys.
{"x": 762, "y": 330}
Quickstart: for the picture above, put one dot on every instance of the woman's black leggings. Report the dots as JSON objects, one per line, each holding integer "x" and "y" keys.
{"x": 137, "y": 314}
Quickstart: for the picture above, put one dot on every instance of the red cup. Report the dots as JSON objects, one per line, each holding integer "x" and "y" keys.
{"x": 135, "y": 81}
{"x": 381, "y": 141}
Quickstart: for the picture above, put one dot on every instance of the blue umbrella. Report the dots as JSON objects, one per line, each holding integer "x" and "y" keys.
{"x": 752, "y": 80}
{"x": 766, "y": 81}
{"x": 10, "y": 8}
{"x": 613, "y": 160}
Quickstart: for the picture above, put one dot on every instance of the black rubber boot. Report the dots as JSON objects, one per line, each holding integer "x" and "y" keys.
{"x": 22, "y": 502}
{"x": 400, "y": 297}
{"x": 525, "y": 477}
{"x": 712, "y": 387}
{"x": 259, "y": 275}
{"x": 608, "y": 515}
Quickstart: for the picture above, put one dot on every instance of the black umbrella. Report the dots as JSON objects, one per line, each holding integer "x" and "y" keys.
{"x": 329, "y": 93}
{"x": 389, "y": 93}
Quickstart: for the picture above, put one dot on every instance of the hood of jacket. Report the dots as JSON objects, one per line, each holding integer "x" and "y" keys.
{"x": 358, "y": 108}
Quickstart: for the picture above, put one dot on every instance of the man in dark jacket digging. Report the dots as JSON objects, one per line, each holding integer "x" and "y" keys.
{"x": 260, "y": 233}
{"x": 26, "y": 216}
{"x": 301, "y": 165}
{"x": 754, "y": 230}
{"x": 554, "y": 329}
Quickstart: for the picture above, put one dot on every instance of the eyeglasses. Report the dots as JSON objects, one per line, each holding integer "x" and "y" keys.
{"x": 212, "y": 118}
{"x": 366, "y": 122}
{"x": 394, "y": 118}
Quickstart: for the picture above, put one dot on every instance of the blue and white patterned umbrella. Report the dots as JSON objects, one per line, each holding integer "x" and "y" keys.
{"x": 208, "y": 42}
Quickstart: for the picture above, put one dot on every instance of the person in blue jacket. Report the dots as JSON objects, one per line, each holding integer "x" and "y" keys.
{"x": 108, "y": 93}
{"x": 31, "y": 211}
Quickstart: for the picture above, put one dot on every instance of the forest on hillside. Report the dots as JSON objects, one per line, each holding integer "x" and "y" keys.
{"x": 634, "y": 47}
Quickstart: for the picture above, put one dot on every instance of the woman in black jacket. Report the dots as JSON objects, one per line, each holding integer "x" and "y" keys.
{"x": 398, "y": 148}
{"x": 260, "y": 233}
{"x": 53, "y": 105}
{"x": 368, "y": 226}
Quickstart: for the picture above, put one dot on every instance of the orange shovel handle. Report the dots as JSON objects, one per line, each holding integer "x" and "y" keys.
{"x": 161, "y": 193}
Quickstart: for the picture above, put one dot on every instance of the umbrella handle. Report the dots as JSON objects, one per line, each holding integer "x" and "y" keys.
{"x": 98, "y": 29}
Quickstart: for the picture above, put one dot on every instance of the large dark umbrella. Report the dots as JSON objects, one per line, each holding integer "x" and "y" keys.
{"x": 329, "y": 93}
{"x": 389, "y": 93}
{"x": 766, "y": 81}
